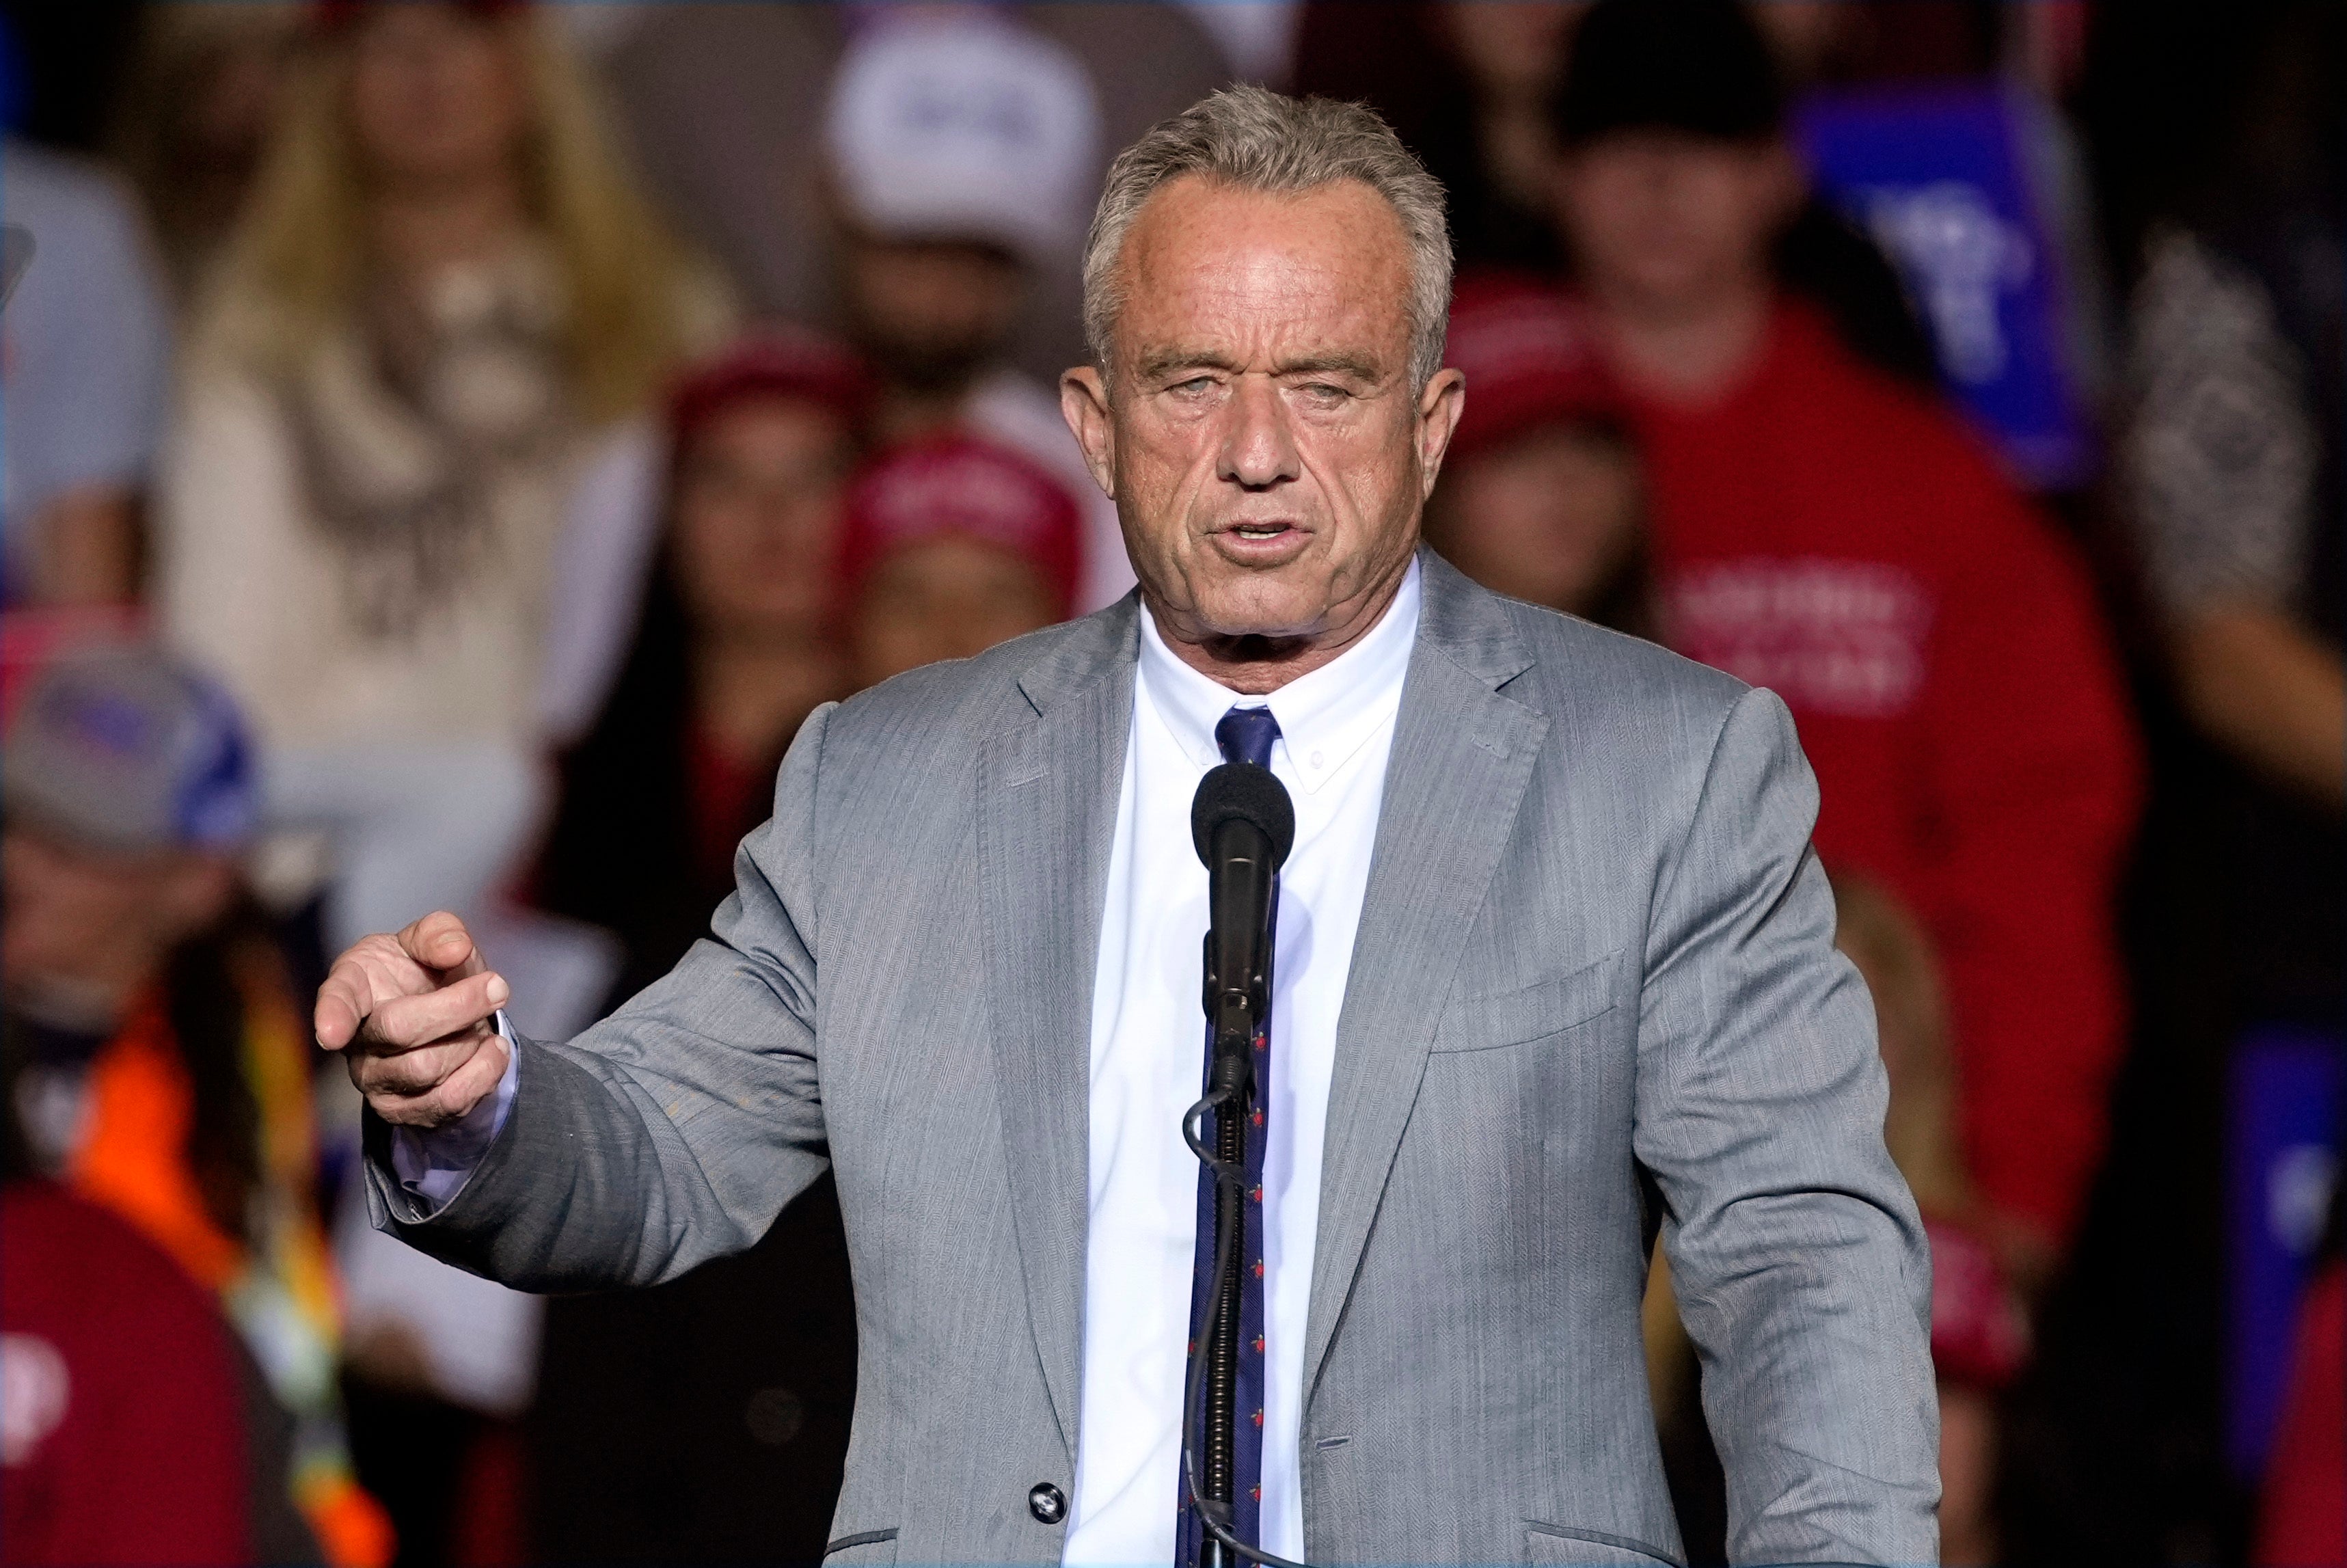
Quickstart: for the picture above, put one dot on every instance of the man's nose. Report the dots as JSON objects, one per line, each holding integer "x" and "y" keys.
{"x": 1258, "y": 449}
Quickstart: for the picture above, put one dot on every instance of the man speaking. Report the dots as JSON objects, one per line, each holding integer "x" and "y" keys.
{"x": 1552, "y": 970}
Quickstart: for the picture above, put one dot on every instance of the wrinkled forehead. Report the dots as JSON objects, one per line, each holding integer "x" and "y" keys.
{"x": 1251, "y": 276}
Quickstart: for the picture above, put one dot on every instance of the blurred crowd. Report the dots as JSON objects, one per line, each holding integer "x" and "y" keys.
{"x": 448, "y": 449}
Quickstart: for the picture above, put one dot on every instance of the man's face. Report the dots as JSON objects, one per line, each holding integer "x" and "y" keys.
{"x": 1552, "y": 517}
{"x": 929, "y": 314}
{"x": 944, "y": 598}
{"x": 434, "y": 96}
{"x": 1664, "y": 221}
{"x": 1267, "y": 450}
{"x": 757, "y": 518}
{"x": 88, "y": 927}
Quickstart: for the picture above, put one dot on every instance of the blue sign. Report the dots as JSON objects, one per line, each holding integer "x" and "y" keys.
{"x": 1940, "y": 176}
{"x": 2282, "y": 1156}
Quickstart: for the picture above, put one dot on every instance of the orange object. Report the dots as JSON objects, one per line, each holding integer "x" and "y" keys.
{"x": 141, "y": 1108}
{"x": 351, "y": 1526}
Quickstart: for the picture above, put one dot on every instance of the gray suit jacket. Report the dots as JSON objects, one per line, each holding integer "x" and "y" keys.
{"x": 1594, "y": 987}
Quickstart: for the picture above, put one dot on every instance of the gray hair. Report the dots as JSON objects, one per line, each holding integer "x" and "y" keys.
{"x": 1252, "y": 138}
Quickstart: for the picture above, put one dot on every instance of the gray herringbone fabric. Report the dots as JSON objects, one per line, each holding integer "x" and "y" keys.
{"x": 1595, "y": 942}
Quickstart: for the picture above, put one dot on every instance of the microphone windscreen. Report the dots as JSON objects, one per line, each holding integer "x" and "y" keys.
{"x": 1249, "y": 793}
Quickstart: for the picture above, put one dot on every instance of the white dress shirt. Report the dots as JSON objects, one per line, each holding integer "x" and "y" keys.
{"x": 1148, "y": 1061}
{"x": 1148, "y": 1054}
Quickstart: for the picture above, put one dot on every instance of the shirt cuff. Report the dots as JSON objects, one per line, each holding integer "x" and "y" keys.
{"x": 435, "y": 1163}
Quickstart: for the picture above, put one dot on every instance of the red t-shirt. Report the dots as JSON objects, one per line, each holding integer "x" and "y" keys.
{"x": 124, "y": 1421}
{"x": 1826, "y": 532}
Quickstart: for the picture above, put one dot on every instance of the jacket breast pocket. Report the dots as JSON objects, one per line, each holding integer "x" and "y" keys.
{"x": 862, "y": 1549}
{"x": 1531, "y": 1012}
{"x": 1564, "y": 1546}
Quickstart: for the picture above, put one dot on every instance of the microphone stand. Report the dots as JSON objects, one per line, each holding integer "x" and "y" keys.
{"x": 1230, "y": 1091}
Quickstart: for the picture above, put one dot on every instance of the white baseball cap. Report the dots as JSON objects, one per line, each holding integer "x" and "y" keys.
{"x": 965, "y": 127}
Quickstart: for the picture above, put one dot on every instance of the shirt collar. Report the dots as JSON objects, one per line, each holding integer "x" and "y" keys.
{"x": 1325, "y": 717}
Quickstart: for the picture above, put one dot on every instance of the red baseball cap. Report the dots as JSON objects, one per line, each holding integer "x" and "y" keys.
{"x": 778, "y": 363}
{"x": 957, "y": 483}
{"x": 1530, "y": 358}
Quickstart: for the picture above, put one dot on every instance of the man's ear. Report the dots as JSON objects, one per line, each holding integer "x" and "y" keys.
{"x": 1083, "y": 403}
{"x": 1439, "y": 409}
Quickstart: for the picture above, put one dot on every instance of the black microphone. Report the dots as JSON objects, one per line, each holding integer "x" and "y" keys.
{"x": 1243, "y": 825}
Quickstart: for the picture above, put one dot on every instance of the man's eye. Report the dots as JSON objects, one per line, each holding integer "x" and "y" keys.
{"x": 1196, "y": 383}
{"x": 1325, "y": 391}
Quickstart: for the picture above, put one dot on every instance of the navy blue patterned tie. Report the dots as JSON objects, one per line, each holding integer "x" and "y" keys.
{"x": 1245, "y": 735}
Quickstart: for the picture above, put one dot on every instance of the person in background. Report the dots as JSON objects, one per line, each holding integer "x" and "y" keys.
{"x": 1511, "y": 56}
{"x": 736, "y": 644}
{"x": 2133, "y": 1436}
{"x": 2229, "y": 467}
{"x": 122, "y": 1430}
{"x": 2220, "y": 138}
{"x": 1469, "y": 87}
{"x": 205, "y": 83}
{"x": 1542, "y": 495}
{"x": 85, "y": 367}
{"x": 726, "y": 105}
{"x": 952, "y": 544}
{"x": 961, "y": 153}
{"x": 707, "y": 1421}
{"x": 444, "y": 305}
{"x": 739, "y": 111}
{"x": 1823, "y": 530}
{"x": 158, "y": 1067}
{"x": 1466, "y": 88}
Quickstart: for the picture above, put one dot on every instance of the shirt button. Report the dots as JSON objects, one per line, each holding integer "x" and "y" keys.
{"x": 1316, "y": 759}
{"x": 1047, "y": 1503}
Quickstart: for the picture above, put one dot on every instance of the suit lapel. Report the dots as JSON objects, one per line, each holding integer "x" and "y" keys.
{"x": 1047, "y": 801}
{"x": 1463, "y": 753}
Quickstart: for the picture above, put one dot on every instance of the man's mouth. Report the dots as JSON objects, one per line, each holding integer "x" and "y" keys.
{"x": 1262, "y": 542}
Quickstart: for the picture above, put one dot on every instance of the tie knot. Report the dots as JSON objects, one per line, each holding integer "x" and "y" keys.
{"x": 1245, "y": 735}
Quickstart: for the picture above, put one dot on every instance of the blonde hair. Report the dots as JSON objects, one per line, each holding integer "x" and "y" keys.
{"x": 297, "y": 261}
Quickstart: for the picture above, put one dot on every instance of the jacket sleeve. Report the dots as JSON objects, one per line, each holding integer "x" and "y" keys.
{"x": 2031, "y": 782}
{"x": 1801, "y": 1267}
{"x": 677, "y": 1129}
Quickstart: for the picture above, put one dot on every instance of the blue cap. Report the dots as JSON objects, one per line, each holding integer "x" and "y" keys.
{"x": 128, "y": 749}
